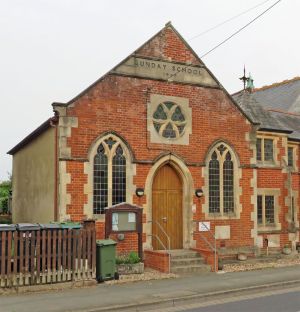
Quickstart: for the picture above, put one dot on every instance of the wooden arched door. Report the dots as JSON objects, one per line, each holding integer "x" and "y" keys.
{"x": 167, "y": 208}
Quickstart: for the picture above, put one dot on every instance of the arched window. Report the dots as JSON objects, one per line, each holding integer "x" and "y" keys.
{"x": 221, "y": 180}
{"x": 109, "y": 175}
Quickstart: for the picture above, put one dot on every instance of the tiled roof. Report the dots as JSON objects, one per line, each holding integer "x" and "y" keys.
{"x": 275, "y": 107}
{"x": 290, "y": 121}
{"x": 284, "y": 96}
{"x": 257, "y": 113}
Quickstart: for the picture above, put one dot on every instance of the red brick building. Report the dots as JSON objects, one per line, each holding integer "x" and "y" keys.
{"x": 160, "y": 121}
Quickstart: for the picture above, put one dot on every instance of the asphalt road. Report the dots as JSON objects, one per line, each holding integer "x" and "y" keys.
{"x": 158, "y": 295}
{"x": 286, "y": 302}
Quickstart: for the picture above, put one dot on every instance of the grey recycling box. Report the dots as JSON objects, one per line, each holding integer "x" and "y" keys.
{"x": 23, "y": 227}
{"x": 7, "y": 227}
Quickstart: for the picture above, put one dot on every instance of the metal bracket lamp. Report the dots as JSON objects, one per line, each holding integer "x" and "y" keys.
{"x": 139, "y": 192}
{"x": 199, "y": 192}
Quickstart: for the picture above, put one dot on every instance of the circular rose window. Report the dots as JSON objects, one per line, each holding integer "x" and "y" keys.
{"x": 168, "y": 120}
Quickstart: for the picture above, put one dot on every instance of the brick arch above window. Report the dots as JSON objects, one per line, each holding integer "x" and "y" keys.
{"x": 227, "y": 144}
{"x": 117, "y": 137}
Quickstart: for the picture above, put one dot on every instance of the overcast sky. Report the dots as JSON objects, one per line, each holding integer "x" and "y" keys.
{"x": 53, "y": 49}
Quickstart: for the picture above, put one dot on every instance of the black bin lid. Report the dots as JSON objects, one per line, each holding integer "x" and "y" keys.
{"x": 28, "y": 227}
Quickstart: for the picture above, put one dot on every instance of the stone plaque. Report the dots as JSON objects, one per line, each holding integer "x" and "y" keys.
{"x": 147, "y": 68}
{"x": 222, "y": 232}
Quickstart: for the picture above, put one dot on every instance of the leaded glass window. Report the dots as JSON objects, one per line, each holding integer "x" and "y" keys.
{"x": 290, "y": 157}
{"x": 228, "y": 184}
{"x": 118, "y": 177}
{"x": 265, "y": 149}
{"x": 221, "y": 181}
{"x": 269, "y": 209}
{"x": 169, "y": 120}
{"x": 214, "y": 184}
{"x": 169, "y": 131}
{"x": 258, "y": 149}
{"x": 259, "y": 209}
{"x": 265, "y": 210}
{"x": 160, "y": 113}
{"x": 268, "y": 147}
{"x": 109, "y": 177}
{"x": 100, "y": 180}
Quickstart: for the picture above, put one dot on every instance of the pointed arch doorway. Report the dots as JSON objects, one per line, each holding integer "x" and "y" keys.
{"x": 167, "y": 190}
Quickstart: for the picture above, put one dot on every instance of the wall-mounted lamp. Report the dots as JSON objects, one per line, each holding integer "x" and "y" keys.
{"x": 139, "y": 192}
{"x": 199, "y": 193}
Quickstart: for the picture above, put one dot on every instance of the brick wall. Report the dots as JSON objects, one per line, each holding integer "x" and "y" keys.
{"x": 156, "y": 260}
{"x": 119, "y": 104}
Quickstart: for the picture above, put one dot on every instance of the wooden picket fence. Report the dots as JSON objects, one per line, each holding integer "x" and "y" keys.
{"x": 47, "y": 256}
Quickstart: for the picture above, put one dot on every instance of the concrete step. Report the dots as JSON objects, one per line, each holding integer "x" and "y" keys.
{"x": 186, "y": 261}
{"x": 184, "y": 254}
{"x": 196, "y": 268}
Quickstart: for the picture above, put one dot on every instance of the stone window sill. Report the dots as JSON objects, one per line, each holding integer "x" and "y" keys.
{"x": 292, "y": 169}
{"x": 273, "y": 229}
{"x": 99, "y": 217}
{"x": 222, "y": 216}
{"x": 267, "y": 164}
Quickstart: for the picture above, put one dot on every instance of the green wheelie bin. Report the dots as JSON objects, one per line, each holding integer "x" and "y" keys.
{"x": 106, "y": 260}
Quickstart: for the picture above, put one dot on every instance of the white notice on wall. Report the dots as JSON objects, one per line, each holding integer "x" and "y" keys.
{"x": 115, "y": 218}
{"x": 204, "y": 226}
{"x": 131, "y": 217}
{"x": 115, "y": 227}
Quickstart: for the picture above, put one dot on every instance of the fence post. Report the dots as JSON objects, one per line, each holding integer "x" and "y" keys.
{"x": 89, "y": 224}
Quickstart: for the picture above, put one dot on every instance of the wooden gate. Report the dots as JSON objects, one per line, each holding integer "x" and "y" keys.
{"x": 167, "y": 208}
{"x": 46, "y": 256}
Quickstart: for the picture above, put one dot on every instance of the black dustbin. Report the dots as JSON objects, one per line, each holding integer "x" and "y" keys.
{"x": 25, "y": 229}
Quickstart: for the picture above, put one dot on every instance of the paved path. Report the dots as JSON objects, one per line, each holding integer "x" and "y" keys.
{"x": 102, "y": 295}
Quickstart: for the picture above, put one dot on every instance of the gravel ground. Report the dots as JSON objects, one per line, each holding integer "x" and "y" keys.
{"x": 248, "y": 265}
{"x": 148, "y": 275}
{"x": 253, "y": 264}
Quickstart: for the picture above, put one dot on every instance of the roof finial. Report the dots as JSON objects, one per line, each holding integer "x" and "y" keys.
{"x": 244, "y": 78}
{"x": 168, "y": 24}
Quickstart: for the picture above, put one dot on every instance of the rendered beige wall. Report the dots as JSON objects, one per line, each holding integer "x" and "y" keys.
{"x": 33, "y": 180}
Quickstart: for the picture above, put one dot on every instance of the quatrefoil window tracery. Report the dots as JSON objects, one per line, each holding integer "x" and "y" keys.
{"x": 168, "y": 120}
